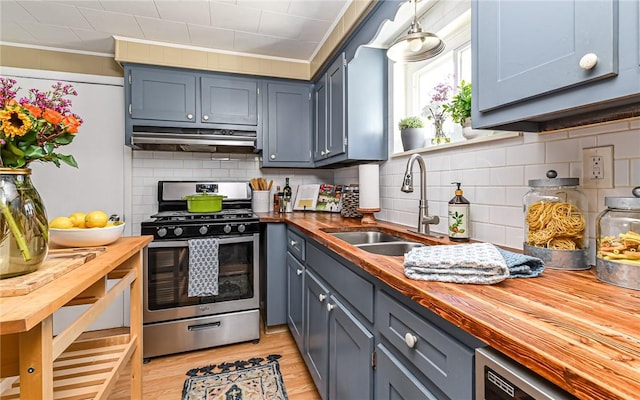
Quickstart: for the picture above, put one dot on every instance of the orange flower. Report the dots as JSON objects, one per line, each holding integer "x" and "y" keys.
{"x": 11, "y": 102}
{"x": 35, "y": 111}
{"x": 71, "y": 124}
{"x": 52, "y": 116}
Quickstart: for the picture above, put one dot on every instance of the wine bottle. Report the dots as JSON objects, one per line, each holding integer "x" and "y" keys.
{"x": 286, "y": 196}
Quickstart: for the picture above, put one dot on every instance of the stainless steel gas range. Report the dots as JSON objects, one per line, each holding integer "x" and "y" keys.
{"x": 175, "y": 322}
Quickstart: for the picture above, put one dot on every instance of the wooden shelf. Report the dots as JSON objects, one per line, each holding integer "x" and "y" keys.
{"x": 88, "y": 369}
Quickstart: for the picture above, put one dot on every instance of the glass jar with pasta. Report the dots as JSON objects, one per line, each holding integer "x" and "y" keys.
{"x": 618, "y": 241}
{"x": 555, "y": 225}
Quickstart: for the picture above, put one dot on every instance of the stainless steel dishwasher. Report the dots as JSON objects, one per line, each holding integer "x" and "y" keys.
{"x": 500, "y": 378}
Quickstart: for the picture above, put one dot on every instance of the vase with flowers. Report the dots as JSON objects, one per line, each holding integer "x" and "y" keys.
{"x": 32, "y": 128}
{"x": 437, "y": 111}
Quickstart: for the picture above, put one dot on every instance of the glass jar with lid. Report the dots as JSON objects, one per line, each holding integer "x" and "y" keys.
{"x": 618, "y": 241}
{"x": 555, "y": 226}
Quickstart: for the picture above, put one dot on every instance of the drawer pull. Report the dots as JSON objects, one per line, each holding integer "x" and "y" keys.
{"x": 410, "y": 340}
{"x": 298, "y": 271}
{"x": 189, "y": 116}
{"x": 293, "y": 243}
{"x": 588, "y": 61}
{"x": 321, "y": 297}
{"x": 330, "y": 307}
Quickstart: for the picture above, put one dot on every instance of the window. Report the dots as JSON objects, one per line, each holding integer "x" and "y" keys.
{"x": 414, "y": 82}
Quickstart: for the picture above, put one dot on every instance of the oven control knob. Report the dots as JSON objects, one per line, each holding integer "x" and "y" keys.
{"x": 241, "y": 228}
{"x": 162, "y": 232}
{"x": 177, "y": 231}
{"x": 227, "y": 229}
{"x": 203, "y": 230}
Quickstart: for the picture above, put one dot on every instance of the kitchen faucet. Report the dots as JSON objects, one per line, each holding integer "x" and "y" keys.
{"x": 424, "y": 219}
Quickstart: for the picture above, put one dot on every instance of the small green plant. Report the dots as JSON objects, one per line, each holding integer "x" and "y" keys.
{"x": 411, "y": 122}
{"x": 460, "y": 105}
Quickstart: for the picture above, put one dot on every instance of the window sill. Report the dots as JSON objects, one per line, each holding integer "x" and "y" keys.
{"x": 482, "y": 139}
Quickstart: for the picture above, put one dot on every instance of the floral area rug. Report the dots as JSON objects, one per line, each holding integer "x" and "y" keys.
{"x": 254, "y": 379}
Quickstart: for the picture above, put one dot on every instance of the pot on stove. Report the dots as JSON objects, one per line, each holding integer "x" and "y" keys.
{"x": 204, "y": 202}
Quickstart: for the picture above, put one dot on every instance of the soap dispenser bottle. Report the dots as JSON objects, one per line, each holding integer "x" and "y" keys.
{"x": 458, "y": 216}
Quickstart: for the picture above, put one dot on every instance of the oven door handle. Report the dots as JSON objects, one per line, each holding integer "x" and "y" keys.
{"x": 185, "y": 243}
{"x": 202, "y": 327}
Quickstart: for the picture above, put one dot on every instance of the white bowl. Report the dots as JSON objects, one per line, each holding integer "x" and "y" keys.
{"x": 85, "y": 237}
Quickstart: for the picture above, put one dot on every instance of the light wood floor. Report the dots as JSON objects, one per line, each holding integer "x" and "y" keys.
{"x": 163, "y": 377}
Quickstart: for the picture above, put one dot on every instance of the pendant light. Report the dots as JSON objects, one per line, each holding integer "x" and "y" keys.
{"x": 416, "y": 45}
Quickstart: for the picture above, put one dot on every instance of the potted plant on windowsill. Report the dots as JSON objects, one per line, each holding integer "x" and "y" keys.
{"x": 412, "y": 133}
{"x": 460, "y": 109}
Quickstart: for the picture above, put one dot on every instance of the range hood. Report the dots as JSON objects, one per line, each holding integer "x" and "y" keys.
{"x": 195, "y": 140}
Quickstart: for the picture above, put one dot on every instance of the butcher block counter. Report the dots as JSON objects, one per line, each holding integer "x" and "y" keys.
{"x": 37, "y": 365}
{"x": 579, "y": 333}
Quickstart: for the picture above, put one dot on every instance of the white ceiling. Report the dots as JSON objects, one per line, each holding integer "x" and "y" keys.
{"x": 292, "y": 29}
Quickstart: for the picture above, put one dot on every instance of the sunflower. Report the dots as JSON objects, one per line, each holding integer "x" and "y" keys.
{"x": 15, "y": 122}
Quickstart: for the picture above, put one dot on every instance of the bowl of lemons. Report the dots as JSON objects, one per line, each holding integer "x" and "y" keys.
{"x": 84, "y": 229}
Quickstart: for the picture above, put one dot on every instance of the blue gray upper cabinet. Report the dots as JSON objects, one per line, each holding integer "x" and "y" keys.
{"x": 164, "y": 95}
{"x": 355, "y": 110}
{"x": 547, "y": 65}
{"x": 288, "y": 123}
{"x": 175, "y": 97}
{"x": 230, "y": 100}
{"x": 329, "y": 136}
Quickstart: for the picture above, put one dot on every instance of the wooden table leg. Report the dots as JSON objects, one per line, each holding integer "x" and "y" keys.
{"x": 36, "y": 361}
{"x": 135, "y": 322}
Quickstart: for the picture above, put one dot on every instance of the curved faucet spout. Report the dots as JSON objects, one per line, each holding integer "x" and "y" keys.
{"x": 407, "y": 186}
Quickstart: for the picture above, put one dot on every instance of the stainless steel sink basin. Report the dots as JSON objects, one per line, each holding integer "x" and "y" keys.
{"x": 389, "y": 248}
{"x": 362, "y": 237}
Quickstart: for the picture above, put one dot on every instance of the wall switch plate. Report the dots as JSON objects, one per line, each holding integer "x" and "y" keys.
{"x": 597, "y": 167}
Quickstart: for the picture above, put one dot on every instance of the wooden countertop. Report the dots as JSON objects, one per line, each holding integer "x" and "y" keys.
{"x": 578, "y": 332}
{"x": 21, "y": 313}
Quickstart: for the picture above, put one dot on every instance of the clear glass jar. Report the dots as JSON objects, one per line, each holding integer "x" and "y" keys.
{"x": 618, "y": 241}
{"x": 555, "y": 225}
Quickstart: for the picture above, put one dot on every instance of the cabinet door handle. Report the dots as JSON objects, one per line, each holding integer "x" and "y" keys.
{"x": 330, "y": 307}
{"x": 205, "y": 117}
{"x": 273, "y": 156}
{"x": 189, "y": 116}
{"x": 410, "y": 340}
{"x": 298, "y": 272}
{"x": 293, "y": 243}
{"x": 588, "y": 61}
{"x": 322, "y": 153}
{"x": 322, "y": 297}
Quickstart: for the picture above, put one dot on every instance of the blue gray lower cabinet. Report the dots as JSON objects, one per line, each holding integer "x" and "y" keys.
{"x": 274, "y": 273}
{"x": 295, "y": 292}
{"x": 394, "y": 381}
{"x": 362, "y": 340}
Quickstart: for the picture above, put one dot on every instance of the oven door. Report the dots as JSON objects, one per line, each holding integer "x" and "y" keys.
{"x": 166, "y": 280}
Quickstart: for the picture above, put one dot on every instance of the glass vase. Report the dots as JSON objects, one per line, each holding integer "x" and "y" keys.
{"x": 440, "y": 137}
{"x": 24, "y": 230}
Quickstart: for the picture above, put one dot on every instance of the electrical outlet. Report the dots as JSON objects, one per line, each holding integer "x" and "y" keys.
{"x": 597, "y": 167}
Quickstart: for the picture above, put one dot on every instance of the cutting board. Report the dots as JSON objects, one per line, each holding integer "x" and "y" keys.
{"x": 58, "y": 263}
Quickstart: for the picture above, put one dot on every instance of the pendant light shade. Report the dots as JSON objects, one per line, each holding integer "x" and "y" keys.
{"x": 416, "y": 45}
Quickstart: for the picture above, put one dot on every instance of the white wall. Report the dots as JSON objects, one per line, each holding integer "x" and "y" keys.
{"x": 495, "y": 178}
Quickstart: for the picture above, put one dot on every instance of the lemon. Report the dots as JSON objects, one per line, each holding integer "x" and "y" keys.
{"x": 96, "y": 219}
{"x": 78, "y": 219}
{"x": 61, "y": 223}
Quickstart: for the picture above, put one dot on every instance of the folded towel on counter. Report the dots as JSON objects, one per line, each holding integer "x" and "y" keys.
{"x": 203, "y": 267}
{"x": 522, "y": 265}
{"x": 478, "y": 263}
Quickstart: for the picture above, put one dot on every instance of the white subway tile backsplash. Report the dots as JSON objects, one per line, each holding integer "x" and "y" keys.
{"x": 625, "y": 144}
{"x": 621, "y": 172}
{"x": 507, "y": 176}
{"x": 634, "y": 172}
{"x": 565, "y": 150}
{"x": 507, "y": 216}
{"x": 526, "y": 154}
{"x": 514, "y": 237}
{"x": 476, "y": 177}
{"x": 491, "y": 158}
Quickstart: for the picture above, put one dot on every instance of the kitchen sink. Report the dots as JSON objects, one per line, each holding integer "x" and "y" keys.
{"x": 362, "y": 237}
{"x": 389, "y": 248}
